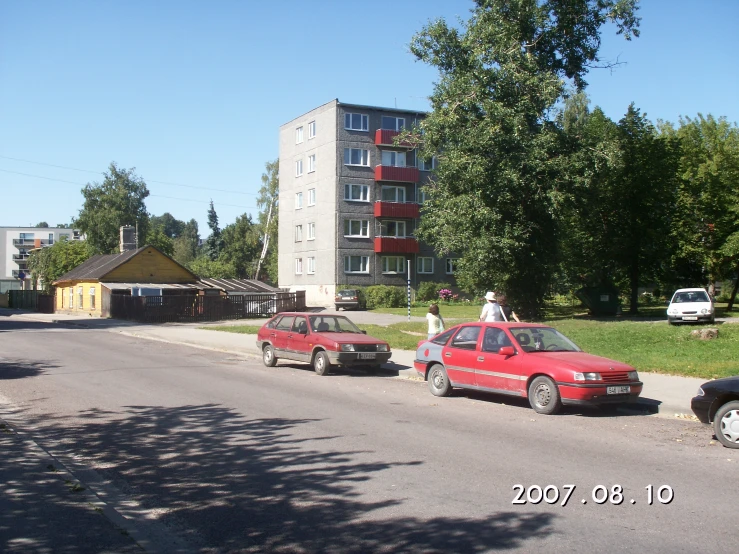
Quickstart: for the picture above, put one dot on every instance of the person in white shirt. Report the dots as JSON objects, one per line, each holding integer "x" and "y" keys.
{"x": 436, "y": 323}
{"x": 491, "y": 311}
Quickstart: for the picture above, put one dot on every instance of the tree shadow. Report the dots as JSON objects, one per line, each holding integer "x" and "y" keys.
{"x": 230, "y": 483}
{"x": 18, "y": 368}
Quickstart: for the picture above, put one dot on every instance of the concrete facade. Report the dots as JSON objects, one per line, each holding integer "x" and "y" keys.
{"x": 328, "y": 230}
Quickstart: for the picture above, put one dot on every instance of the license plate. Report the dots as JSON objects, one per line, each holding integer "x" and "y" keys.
{"x": 366, "y": 355}
{"x": 690, "y": 318}
{"x": 625, "y": 389}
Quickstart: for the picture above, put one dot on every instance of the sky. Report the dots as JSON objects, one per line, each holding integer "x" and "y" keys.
{"x": 192, "y": 94}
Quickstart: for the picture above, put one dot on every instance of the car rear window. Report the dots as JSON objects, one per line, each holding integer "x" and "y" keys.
{"x": 347, "y": 293}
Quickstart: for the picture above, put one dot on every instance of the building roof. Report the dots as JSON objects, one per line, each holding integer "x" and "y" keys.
{"x": 165, "y": 286}
{"x": 240, "y": 285}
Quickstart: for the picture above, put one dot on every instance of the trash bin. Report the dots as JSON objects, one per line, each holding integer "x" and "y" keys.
{"x": 600, "y": 300}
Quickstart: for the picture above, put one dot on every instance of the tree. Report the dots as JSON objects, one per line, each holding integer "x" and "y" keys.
{"x": 187, "y": 245}
{"x": 42, "y": 225}
{"x": 117, "y": 201}
{"x": 241, "y": 246}
{"x": 214, "y": 242}
{"x": 267, "y": 201}
{"x": 157, "y": 237}
{"x": 495, "y": 193}
{"x": 49, "y": 263}
{"x": 171, "y": 226}
{"x": 206, "y": 268}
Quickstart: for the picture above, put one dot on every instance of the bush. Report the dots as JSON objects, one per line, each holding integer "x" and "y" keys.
{"x": 428, "y": 291}
{"x": 384, "y": 296}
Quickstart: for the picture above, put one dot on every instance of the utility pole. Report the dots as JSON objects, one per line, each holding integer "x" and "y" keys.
{"x": 266, "y": 240}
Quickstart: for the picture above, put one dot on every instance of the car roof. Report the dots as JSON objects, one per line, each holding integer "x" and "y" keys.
{"x": 511, "y": 323}
{"x": 692, "y": 290}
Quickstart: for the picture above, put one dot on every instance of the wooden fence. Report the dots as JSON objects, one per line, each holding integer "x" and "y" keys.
{"x": 31, "y": 300}
{"x": 181, "y": 308}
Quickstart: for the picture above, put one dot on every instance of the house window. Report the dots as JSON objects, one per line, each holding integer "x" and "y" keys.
{"x": 299, "y": 135}
{"x": 298, "y": 200}
{"x": 356, "y": 264}
{"x": 298, "y": 233}
{"x": 395, "y": 159}
{"x": 80, "y": 297}
{"x": 356, "y": 122}
{"x": 422, "y": 196}
{"x": 393, "y": 229}
{"x": 393, "y": 264}
{"x": 424, "y": 265}
{"x": 393, "y": 194}
{"x": 51, "y": 238}
{"x": 311, "y": 130}
{"x": 298, "y": 266}
{"x": 311, "y": 197}
{"x": 451, "y": 266}
{"x": 393, "y": 123}
{"x": 429, "y": 165}
{"x": 71, "y": 297}
{"x": 311, "y": 163}
{"x": 356, "y": 228}
{"x": 311, "y": 231}
{"x": 356, "y": 156}
{"x": 92, "y": 298}
{"x": 356, "y": 193}
{"x": 311, "y": 265}
{"x": 298, "y": 168}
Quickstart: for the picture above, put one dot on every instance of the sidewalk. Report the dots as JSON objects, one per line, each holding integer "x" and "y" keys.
{"x": 664, "y": 395}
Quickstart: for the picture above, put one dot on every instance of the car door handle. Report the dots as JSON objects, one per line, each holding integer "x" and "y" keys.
{"x": 481, "y": 358}
{"x": 448, "y": 354}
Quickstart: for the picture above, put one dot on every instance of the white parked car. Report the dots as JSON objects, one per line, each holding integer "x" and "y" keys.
{"x": 691, "y": 305}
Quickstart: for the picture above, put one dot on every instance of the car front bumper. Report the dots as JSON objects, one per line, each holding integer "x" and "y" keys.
{"x": 596, "y": 394}
{"x": 353, "y": 359}
{"x": 689, "y": 318}
{"x": 701, "y": 406}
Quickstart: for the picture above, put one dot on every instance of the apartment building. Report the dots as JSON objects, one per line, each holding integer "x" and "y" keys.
{"x": 350, "y": 203}
{"x": 15, "y": 246}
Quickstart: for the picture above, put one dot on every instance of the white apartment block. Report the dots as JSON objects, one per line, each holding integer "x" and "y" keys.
{"x": 350, "y": 203}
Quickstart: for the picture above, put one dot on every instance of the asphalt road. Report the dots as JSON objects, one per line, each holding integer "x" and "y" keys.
{"x": 183, "y": 450}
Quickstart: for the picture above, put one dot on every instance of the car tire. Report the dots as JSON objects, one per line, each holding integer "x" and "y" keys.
{"x": 268, "y": 356}
{"x": 544, "y": 396}
{"x": 439, "y": 384}
{"x": 337, "y": 308}
{"x": 321, "y": 363}
{"x": 726, "y": 424}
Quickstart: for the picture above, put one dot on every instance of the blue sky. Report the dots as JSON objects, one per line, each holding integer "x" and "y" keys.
{"x": 193, "y": 93}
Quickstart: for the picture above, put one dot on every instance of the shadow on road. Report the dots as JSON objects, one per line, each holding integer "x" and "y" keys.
{"x": 230, "y": 483}
{"x": 18, "y": 369}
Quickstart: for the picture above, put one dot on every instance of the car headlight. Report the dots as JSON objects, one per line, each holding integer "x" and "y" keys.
{"x": 382, "y": 348}
{"x": 587, "y": 376}
{"x": 700, "y": 392}
{"x": 706, "y": 311}
{"x": 672, "y": 311}
{"x": 633, "y": 376}
{"x": 346, "y": 347}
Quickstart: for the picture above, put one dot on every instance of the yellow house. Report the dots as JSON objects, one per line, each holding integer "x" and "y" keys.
{"x": 88, "y": 287}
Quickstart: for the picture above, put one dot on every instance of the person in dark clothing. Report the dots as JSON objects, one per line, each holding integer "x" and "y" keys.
{"x": 508, "y": 312}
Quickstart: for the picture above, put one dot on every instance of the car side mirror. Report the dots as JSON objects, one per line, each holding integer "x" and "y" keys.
{"x": 363, "y": 331}
{"x": 506, "y": 351}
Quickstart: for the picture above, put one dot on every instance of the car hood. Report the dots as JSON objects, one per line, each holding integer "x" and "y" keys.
{"x": 683, "y": 307}
{"x": 725, "y": 383}
{"x": 583, "y": 362}
{"x": 355, "y": 338}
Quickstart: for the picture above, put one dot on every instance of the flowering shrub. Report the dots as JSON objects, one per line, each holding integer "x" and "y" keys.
{"x": 445, "y": 294}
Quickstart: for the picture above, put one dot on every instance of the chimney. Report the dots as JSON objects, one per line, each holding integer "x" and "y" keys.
{"x": 128, "y": 238}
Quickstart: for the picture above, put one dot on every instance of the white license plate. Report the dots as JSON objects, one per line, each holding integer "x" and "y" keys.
{"x": 366, "y": 355}
{"x": 625, "y": 389}
{"x": 690, "y": 318}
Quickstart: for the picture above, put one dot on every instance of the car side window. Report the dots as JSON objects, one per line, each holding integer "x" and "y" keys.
{"x": 285, "y": 323}
{"x": 300, "y": 326}
{"x": 466, "y": 338}
{"x": 273, "y": 323}
{"x": 443, "y": 338}
{"x": 494, "y": 338}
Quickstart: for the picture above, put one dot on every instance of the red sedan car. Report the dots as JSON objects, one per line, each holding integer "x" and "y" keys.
{"x": 523, "y": 359}
{"x": 323, "y": 340}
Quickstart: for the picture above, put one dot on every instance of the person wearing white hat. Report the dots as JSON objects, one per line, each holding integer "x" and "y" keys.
{"x": 491, "y": 311}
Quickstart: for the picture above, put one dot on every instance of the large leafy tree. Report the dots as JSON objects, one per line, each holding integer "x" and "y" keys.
{"x": 171, "y": 226}
{"x": 206, "y": 268}
{"x": 117, "y": 201}
{"x": 494, "y": 198}
{"x": 187, "y": 245}
{"x": 49, "y": 263}
{"x": 267, "y": 201}
{"x": 241, "y": 246}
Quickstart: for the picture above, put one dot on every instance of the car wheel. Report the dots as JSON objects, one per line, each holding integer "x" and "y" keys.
{"x": 268, "y": 356}
{"x": 337, "y": 308}
{"x": 544, "y": 396}
{"x": 439, "y": 384}
{"x": 726, "y": 424}
{"x": 321, "y": 363}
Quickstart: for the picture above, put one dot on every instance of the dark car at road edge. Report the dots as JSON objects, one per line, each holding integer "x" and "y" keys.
{"x": 717, "y": 403}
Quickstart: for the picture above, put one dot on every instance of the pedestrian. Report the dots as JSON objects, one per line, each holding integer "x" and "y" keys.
{"x": 508, "y": 312}
{"x": 436, "y": 322}
{"x": 491, "y": 310}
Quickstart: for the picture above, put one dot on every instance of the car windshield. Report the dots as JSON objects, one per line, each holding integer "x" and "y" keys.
{"x": 542, "y": 339}
{"x": 347, "y": 293}
{"x": 332, "y": 324}
{"x": 691, "y": 296}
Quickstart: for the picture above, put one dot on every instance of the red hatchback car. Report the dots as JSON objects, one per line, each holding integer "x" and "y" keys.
{"x": 322, "y": 340}
{"x": 523, "y": 359}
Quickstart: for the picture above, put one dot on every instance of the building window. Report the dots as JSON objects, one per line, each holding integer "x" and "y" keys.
{"x": 311, "y": 197}
{"x": 311, "y": 231}
{"x": 393, "y": 123}
{"x": 393, "y": 194}
{"x": 451, "y": 266}
{"x": 311, "y": 163}
{"x": 298, "y": 233}
{"x": 424, "y": 265}
{"x": 356, "y": 193}
{"x": 298, "y": 168}
{"x": 80, "y": 297}
{"x": 311, "y": 130}
{"x": 356, "y": 228}
{"x": 356, "y": 264}
{"x": 429, "y": 165}
{"x": 311, "y": 265}
{"x": 92, "y": 298}
{"x": 298, "y": 200}
{"x": 51, "y": 238}
{"x": 356, "y": 156}
{"x": 395, "y": 159}
{"x": 422, "y": 195}
{"x": 298, "y": 266}
{"x": 393, "y": 264}
{"x": 356, "y": 122}
{"x": 26, "y": 236}
{"x": 71, "y": 297}
{"x": 393, "y": 229}
{"x": 299, "y": 135}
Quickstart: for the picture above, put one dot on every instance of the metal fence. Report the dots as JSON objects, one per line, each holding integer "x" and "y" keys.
{"x": 181, "y": 308}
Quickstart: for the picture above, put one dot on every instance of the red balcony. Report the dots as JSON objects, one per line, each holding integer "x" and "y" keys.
{"x": 384, "y": 137}
{"x": 392, "y": 245}
{"x": 392, "y": 173}
{"x": 406, "y": 210}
